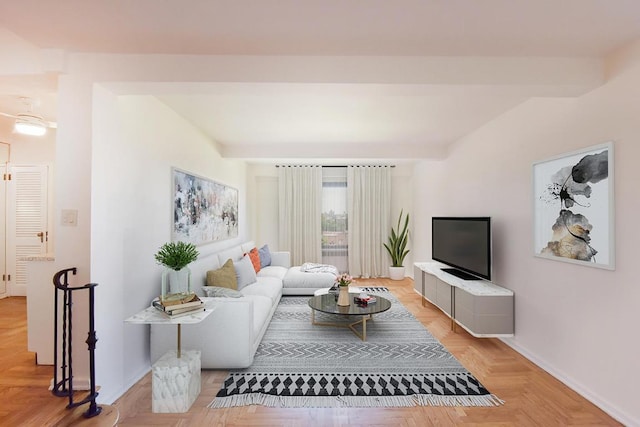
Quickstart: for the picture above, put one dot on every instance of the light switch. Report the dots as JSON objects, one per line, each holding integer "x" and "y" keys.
{"x": 70, "y": 217}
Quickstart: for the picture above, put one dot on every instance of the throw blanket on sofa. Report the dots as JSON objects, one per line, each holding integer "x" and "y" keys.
{"x": 311, "y": 267}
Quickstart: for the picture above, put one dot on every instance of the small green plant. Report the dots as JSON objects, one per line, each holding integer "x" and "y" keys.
{"x": 397, "y": 246}
{"x": 176, "y": 255}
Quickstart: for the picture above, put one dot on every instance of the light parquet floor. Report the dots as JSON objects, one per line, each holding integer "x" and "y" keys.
{"x": 533, "y": 397}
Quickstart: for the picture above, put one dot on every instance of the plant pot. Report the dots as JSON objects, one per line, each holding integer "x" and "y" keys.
{"x": 176, "y": 284}
{"x": 396, "y": 273}
{"x": 343, "y": 296}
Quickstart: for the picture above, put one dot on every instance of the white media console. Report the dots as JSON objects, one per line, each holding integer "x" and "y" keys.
{"x": 482, "y": 308}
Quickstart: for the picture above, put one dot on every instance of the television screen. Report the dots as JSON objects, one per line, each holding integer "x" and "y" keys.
{"x": 463, "y": 243}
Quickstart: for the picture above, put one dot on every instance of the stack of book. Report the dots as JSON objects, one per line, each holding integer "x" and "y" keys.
{"x": 180, "y": 307}
{"x": 364, "y": 300}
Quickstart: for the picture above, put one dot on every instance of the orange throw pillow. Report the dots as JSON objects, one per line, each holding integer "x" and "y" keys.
{"x": 255, "y": 259}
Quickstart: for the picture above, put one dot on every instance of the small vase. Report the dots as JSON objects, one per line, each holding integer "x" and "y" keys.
{"x": 343, "y": 296}
{"x": 176, "y": 284}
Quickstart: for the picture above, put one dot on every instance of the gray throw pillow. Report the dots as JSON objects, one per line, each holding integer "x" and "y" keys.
{"x": 217, "y": 291}
{"x": 265, "y": 256}
{"x": 245, "y": 274}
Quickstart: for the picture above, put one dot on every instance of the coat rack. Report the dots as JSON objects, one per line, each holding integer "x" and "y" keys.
{"x": 64, "y": 387}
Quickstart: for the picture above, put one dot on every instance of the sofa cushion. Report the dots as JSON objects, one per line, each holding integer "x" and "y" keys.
{"x": 265, "y": 286}
{"x": 261, "y": 309}
{"x": 224, "y": 276}
{"x": 200, "y": 267}
{"x": 281, "y": 258}
{"x": 265, "y": 256}
{"x": 235, "y": 253}
{"x": 273, "y": 271}
{"x": 247, "y": 246}
{"x": 217, "y": 291}
{"x": 300, "y": 279}
{"x": 255, "y": 259}
{"x": 245, "y": 274}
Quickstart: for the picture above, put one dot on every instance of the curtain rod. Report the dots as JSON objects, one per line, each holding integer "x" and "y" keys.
{"x": 338, "y": 166}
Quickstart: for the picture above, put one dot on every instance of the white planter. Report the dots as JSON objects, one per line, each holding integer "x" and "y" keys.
{"x": 396, "y": 273}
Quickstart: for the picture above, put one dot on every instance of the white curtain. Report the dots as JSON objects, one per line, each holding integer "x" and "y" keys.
{"x": 368, "y": 207}
{"x": 300, "y": 207}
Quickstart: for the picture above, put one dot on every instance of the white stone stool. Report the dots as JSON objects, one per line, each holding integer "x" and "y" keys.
{"x": 175, "y": 382}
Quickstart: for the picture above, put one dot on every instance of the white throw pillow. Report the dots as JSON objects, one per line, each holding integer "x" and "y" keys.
{"x": 245, "y": 273}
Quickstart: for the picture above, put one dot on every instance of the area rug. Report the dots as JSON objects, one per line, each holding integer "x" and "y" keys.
{"x": 303, "y": 365}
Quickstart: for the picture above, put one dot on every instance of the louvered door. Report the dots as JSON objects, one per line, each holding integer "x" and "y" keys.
{"x": 27, "y": 221}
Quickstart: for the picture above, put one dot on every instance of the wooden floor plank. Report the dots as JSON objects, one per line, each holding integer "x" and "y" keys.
{"x": 532, "y": 397}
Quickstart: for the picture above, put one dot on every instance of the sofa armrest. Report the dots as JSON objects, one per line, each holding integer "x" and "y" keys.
{"x": 225, "y": 337}
{"x": 281, "y": 258}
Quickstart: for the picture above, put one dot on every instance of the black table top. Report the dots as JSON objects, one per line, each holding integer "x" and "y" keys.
{"x": 327, "y": 304}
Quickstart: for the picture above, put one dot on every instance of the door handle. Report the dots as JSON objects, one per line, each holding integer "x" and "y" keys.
{"x": 41, "y": 236}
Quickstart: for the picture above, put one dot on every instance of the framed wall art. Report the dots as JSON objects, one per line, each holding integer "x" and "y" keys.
{"x": 574, "y": 207}
{"x": 203, "y": 210}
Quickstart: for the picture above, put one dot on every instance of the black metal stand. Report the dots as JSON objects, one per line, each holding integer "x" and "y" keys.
{"x": 64, "y": 387}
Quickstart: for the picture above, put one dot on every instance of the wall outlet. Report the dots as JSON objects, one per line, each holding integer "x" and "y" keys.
{"x": 69, "y": 217}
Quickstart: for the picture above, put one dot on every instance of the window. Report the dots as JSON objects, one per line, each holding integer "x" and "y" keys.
{"x": 334, "y": 217}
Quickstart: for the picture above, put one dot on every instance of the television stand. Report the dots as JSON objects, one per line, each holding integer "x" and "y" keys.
{"x": 482, "y": 308}
{"x": 459, "y": 273}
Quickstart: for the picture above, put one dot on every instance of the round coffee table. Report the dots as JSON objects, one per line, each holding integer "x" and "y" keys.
{"x": 328, "y": 304}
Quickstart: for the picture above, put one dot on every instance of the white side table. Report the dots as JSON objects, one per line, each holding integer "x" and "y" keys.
{"x": 175, "y": 377}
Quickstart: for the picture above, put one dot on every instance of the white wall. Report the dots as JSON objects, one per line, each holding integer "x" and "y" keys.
{"x": 27, "y": 149}
{"x": 262, "y": 183}
{"x": 137, "y": 140}
{"x": 402, "y": 199}
{"x": 576, "y": 322}
{"x": 428, "y": 189}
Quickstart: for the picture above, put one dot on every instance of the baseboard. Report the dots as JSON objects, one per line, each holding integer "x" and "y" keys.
{"x": 112, "y": 397}
{"x": 83, "y": 384}
{"x": 583, "y": 391}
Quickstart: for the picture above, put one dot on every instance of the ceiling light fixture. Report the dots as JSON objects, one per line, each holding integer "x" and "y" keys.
{"x": 28, "y": 124}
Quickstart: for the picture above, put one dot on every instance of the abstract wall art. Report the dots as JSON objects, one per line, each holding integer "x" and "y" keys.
{"x": 203, "y": 210}
{"x": 573, "y": 207}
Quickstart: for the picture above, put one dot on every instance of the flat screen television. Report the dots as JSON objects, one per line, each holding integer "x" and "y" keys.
{"x": 464, "y": 244}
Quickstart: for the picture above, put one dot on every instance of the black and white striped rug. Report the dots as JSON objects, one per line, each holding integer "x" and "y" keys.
{"x": 401, "y": 364}
{"x": 373, "y": 289}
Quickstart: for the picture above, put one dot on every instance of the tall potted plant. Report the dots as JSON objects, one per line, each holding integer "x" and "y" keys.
{"x": 397, "y": 247}
{"x": 176, "y": 278}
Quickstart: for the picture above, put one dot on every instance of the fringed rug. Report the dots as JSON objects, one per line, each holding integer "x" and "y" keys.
{"x": 301, "y": 365}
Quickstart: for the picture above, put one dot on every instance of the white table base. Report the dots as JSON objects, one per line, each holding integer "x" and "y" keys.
{"x": 175, "y": 382}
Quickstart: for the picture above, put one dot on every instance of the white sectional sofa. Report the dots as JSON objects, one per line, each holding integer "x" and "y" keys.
{"x": 229, "y": 337}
